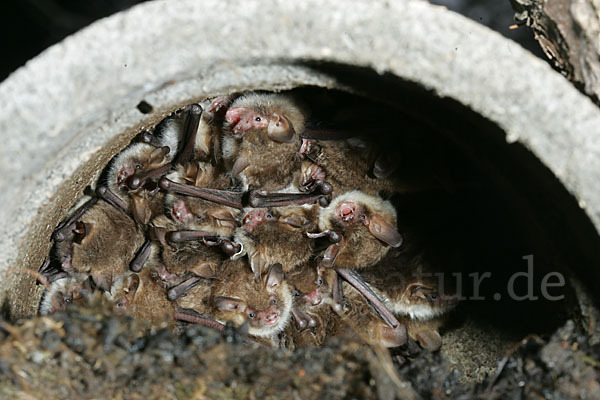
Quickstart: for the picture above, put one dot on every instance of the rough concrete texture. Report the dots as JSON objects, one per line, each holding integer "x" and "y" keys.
{"x": 70, "y": 109}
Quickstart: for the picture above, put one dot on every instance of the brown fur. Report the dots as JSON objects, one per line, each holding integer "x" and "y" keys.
{"x": 280, "y": 242}
{"x": 199, "y": 298}
{"x": 273, "y": 165}
{"x": 356, "y": 318}
{"x": 148, "y": 304}
{"x": 347, "y": 167}
{"x": 134, "y": 159}
{"x": 400, "y": 269}
{"x": 237, "y": 281}
{"x": 394, "y": 279}
{"x": 359, "y": 248}
{"x": 209, "y": 215}
{"x": 110, "y": 243}
{"x": 183, "y": 258}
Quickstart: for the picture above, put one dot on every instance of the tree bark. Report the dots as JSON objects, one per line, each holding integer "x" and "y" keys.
{"x": 569, "y": 33}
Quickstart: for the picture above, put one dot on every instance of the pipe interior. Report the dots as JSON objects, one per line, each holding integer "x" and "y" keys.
{"x": 494, "y": 204}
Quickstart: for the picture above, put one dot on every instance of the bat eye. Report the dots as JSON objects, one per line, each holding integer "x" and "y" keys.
{"x": 363, "y": 217}
{"x": 296, "y": 293}
{"x": 252, "y": 315}
{"x": 320, "y": 281}
{"x": 138, "y": 166}
{"x": 433, "y": 296}
{"x": 258, "y": 119}
{"x": 273, "y": 301}
{"x": 68, "y": 300}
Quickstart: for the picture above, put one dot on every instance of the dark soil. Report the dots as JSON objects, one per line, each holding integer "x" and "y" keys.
{"x": 87, "y": 353}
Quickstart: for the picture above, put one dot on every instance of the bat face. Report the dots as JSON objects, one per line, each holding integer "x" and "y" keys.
{"x": 256, "y": 217}
{"x": 414, "y": 288}
{"x": 424, "y": 300}
{"x": 363, "y": 209}
{"x": 367, "y": 225}
{"x": 273, "y": 114}
{"x": 265, "y": 303}
{"x": 140, "y": 296}
{"x": 104, "y": 245}
{"x": 74, "y": 289}
{"x": 137, "y": 158}
{"x": 310, "y": 286}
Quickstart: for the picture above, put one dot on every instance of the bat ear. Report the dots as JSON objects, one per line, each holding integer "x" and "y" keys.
{"x": 241, "y": 163}
{"x": 280, "y": 129}
{"x": 158, "y": 155}
{"x": 417, "y": 290}
{"x": 221, "y": 214}
{"x": 229, "y": 304}
{"x": 296, "y": 220}
{"x": 384, "y": 231}
{"x": 141, "y": 210}
{"x": 130, "y": 287}
{"x": 330, "y": 255}
{"x": 102, "y": 280}
{"x": 205, "y": 270}
{"x": 191, "y": 173}
{"x": 274, "y": 277}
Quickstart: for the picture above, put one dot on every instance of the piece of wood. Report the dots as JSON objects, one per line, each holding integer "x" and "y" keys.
{"x": 569, "y": 33}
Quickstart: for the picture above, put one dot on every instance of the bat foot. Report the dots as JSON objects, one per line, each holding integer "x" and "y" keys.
{"x": 333, "y": 236}
{"x": 224, "y": 197}
{"x": 303, "y": 321}
{"x": 105, "y": 194}
{"x": 140, "y": 258}
{"x": 49, "y": 273}
{"x": 191, "y": 316}
{"x": 429, "y": 339}
{"x": 177, "y": 291}
{"x": 392, "y": 337}
{"x": 230, "y": 248}
{"x": 217, "y": 108}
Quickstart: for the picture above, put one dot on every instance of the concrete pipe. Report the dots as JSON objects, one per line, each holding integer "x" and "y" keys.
{"x": 69, "y": 110}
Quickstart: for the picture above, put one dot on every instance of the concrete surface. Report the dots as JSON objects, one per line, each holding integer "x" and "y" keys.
{"x": 70, "y": 109}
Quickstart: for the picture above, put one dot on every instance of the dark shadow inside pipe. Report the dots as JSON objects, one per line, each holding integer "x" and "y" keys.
{"x": 501, "y": 209}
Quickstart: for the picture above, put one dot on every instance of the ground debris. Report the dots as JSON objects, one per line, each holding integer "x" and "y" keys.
{"x": 565, "y": 366}
{"x": 89, "y": 353}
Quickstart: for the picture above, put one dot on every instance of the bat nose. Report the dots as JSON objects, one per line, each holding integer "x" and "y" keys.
{"x": 233, "y": 116}
{"x": 271, "y": 317}
{"x": 313, "y": 298}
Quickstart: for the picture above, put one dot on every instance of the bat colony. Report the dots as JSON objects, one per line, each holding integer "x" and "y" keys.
{"x": 241, "y": 210}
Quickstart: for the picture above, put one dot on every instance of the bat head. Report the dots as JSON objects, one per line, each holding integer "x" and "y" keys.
{"x": 265, "y": 304}
{"x": 258, "y": 216}
{"x": 310, "y": 286}
{"x": 379, "y": 216}
{"x": 136, "y": 158}
{"x": 276, "y": 114}
{"x": 425, "y": 300}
